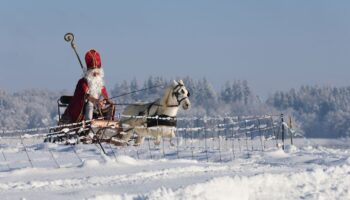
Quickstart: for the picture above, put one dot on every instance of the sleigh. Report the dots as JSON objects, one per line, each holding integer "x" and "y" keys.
{"x": 96, "y": 130}
{"x": 138, "y": 121}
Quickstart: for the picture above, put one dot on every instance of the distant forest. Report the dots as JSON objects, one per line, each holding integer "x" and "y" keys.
{"x": 317, "y": 111}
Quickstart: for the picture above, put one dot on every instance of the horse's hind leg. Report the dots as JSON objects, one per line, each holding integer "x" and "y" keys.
{"x": 139, "y": 140}
{"x": 157, "y": 141}
{"x": 126, "y": 135}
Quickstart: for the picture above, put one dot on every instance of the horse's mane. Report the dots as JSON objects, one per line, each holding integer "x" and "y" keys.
{"x": 166, "y": 96}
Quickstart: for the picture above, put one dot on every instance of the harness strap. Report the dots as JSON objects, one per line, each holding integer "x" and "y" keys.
{"x": 150, "y": 106}
{"x": 162, "y": 120}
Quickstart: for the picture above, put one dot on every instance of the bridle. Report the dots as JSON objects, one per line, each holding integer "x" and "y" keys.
{"x": 177, "y": 94}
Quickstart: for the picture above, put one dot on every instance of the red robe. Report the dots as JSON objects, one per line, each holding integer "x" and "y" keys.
{"x": 75, "y": 109}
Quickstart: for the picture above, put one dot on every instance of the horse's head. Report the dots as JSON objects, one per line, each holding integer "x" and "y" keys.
{"x": 181, "y": 94}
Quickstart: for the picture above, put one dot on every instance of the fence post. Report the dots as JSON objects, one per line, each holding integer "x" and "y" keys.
{"x": 233, "y": 144}
{"x": 192, "y": 147}
{"x": 162, "y": 141}
{"x": 198, "y": 135}
{"x": 282, "y": 121}
{"x": 76, "y": 153}
{"x": 53, "y": 157}
{"x": 110, "y": 146}
{"x": 226, "y": 125}
{"x": 137, "y": 153}
{"x": 261, "y": 139}
{"x": 8, "y": 165}
{"x": 213, "y": 132}
{"x": 290, "y": 128}
{"x": 238, "y": 135}
{"x": 220, "y": 148}
{"x": 185, "y": 135}
{"x": 205, "y": 139}
{"x": 246, "y": 137}
{"x": 274, "y": 131}
{"x": 177, "y": 143}
{"x": 149, "y": 147}
{"x": 25, "y": 149}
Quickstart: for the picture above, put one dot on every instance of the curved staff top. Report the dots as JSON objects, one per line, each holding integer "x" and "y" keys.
{"x": 69, "y": 37}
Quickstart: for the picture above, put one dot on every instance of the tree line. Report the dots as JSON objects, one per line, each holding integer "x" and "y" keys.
{"x": 318, "y": 111}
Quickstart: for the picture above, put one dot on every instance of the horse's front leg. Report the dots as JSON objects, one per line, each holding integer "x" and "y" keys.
{"x": 157, "y": 141}
{"x": 172, "y": 135}
{"x": 140, "y": 132}
{"x": 171, "y": 142}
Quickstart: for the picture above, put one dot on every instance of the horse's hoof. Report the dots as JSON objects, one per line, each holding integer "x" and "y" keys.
{"x": 118, "y": 142}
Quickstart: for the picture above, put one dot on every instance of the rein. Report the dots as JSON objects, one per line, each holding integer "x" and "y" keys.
{"x": 153, "y": 103}
{"x": 136, "y": 91}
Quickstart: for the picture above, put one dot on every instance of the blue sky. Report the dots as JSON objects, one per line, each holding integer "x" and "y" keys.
{"x": 273, "y": 44}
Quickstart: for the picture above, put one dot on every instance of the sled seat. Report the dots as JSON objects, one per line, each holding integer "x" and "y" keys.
{"x": 63, "y": 102}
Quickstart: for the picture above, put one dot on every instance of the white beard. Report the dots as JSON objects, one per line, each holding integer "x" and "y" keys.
{"x": 95, "y": 82}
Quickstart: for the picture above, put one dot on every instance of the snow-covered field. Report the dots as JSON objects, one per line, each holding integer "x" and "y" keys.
{"x": 311, "y": 169}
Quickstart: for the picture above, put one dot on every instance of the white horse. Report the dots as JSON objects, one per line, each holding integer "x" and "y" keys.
{"x": 158, "y": 118}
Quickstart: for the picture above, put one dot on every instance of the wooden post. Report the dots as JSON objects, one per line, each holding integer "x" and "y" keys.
{"x": 290, "y": 128}
{"x": 282, "y": 123}
{"x": 25, "y": 149}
